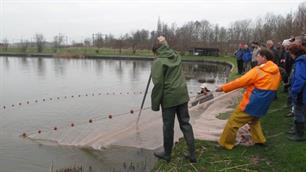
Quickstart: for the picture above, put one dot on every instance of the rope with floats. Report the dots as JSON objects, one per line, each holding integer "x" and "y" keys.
{"x": 58, "y": 98}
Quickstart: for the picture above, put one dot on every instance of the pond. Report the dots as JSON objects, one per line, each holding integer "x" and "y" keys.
{"x": 49, "y": 94}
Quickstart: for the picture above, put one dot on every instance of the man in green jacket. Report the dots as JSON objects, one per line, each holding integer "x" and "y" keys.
{"x": 170, "y": 92}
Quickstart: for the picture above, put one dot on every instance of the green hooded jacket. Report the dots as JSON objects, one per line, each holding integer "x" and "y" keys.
{"x": 170, "y": 87}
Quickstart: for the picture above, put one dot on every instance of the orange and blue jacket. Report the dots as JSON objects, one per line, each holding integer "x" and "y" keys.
{"x": 261, "y": 84}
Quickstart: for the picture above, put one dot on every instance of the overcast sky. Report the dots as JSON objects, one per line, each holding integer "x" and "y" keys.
{"x": 78, "y": 19}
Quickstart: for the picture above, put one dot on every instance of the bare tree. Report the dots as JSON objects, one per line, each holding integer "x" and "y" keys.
{"x": 137, "y": 38}
{"x": 109, "y": 40}
{"x": 222, "y": 39}
{"x": 119, "y": 43}
{"x": 87, "y": 42}
{"x": 300, "y": 18}
{"x": 40, "y": 42}
{"x": 5, "y": 44}
{"x": 58, "y": 42}
{"x": 24, "y": 45}
{"x": 98, "y": 40}
{"x": 205, "y": 34}
{"x": 204, "y": 31}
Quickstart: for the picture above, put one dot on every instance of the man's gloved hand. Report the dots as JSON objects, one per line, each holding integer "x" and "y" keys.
{"x": 161, "y": 40}
{"x": 219, "y": 89}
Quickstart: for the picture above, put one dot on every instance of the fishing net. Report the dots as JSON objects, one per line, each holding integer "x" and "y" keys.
{"x": 120, "y": 129}
{"x": 207, "y": 124}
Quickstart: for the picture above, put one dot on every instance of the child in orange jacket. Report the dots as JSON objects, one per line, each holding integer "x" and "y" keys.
{"x": 261, "y": 84}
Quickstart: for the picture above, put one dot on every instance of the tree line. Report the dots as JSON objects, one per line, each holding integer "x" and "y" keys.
{"x": 192, "y": 34}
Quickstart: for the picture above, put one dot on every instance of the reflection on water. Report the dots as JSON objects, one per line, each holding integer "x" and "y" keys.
{"x": 206, "y": 71}
{"x": 24, "y": 79}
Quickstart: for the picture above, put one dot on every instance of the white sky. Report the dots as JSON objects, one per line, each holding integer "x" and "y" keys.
{"x": 78, "y": 19}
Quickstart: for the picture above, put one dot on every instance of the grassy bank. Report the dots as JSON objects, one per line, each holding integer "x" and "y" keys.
{"x": 81, "y": 51}
{"x": 278, "y": 155}
{"x": 105, "y": 53}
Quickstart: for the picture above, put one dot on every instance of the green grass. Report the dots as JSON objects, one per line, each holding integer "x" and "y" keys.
{"x": 109, "y": 52}
{"x": 279, "y": 155}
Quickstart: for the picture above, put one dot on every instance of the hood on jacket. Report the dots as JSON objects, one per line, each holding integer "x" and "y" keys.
{"x": 168, "y": 56}
{"x": 166, "y": 52}
{"x": 269, "y": 67}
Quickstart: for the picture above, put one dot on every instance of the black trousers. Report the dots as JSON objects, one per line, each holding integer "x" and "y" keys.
{"x": 240, "y": 66}
{"x": 182, "y": 113}
{"x": 253, "y": 64}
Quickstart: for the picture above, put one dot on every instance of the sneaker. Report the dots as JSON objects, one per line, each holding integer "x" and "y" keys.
{"x": 162, "y": 155}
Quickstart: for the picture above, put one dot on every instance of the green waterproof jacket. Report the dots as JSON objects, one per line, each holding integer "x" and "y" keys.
{"x": 170, "y": 87}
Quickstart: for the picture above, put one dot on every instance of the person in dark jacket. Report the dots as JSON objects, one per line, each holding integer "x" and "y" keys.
{"x": 285, "y": 67}
{"x": 239, "y": 55}
{"x": 170, "y": 92}
{"x": 256, "y": 48}
{"x": 270, "y": 46}
{"x": 276, "y": 59}
{"x": 286, "y": 63}
{"x": 298, "y": 90}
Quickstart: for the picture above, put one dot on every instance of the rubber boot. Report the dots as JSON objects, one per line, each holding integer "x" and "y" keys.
{"x": 168, "y": 132}
{"x": 292, "y": 130}
{"x": 191, "y": 158}
{"x": 299, "y": 135}
{"x": 163, "y": 156}
{"x": 191, "y": 148}
{"x": 166, "y": 154}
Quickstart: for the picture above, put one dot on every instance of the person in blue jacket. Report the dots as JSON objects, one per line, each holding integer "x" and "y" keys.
{"x": 239, "y": 54}
{"x": 298, "y": 90}
{"x": 246, "y": 57}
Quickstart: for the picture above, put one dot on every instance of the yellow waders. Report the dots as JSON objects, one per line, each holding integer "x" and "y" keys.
{"x": 237, "y": 119}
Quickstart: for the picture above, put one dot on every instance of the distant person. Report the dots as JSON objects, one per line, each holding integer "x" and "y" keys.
{"x": 286, "y": 63}
{"x": 170, "y": 92}
{"x": 239, "y": 54}
{"x": 261, "y": 84}
{"x": 276, "y": 58}
{"x": 247, "y": 58}
{"x": 298, "y": 90}
{"x": 285, "y": 67}
{"x": 256, "y": 47}
{"x": 270, "y": 46}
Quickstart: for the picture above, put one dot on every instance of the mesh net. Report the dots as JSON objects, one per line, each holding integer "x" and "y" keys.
{"x": 121, "y": 130}
{"x": 206, "y": 124}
